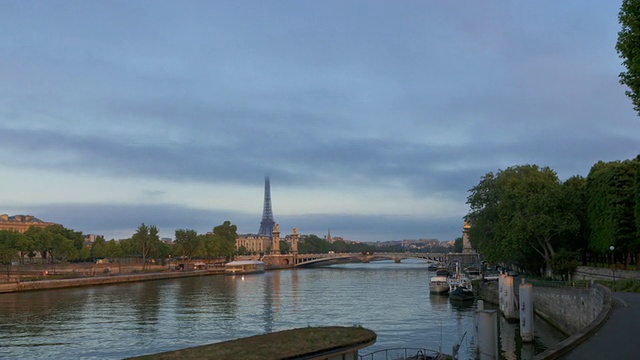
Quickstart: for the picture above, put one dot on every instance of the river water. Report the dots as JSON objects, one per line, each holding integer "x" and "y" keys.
{"x": 117, "y": 321}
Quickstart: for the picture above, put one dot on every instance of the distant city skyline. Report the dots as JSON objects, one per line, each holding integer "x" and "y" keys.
{"x": 373, "y": 123}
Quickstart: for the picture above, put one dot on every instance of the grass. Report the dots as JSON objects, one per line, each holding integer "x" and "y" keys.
{"x": 287, "y": 344}
{"x": 624, "y": 285}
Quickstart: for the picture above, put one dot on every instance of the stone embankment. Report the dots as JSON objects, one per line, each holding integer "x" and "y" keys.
{"x": 100, "y": 280}
{"x": 578, "y": 312}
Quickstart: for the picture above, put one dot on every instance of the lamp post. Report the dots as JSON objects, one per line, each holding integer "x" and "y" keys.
{"x": 613, "y": 258}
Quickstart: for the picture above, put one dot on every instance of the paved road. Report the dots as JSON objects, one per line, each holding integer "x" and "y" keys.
{"x": 619, "y": 337}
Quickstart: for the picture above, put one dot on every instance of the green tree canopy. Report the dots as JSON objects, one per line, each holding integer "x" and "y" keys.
{"x": 98, "y": 249}
{"x": 227, "y": 233}
{"x": 628, "y": 48}
{"x": 518, "y": 215}
{"x": 611, "y": 206}
{"x": 312, "y": 244}
{"x": 145, "y": 241}
{"x": 188, "y": 242}
{"x": 457, "y": 247}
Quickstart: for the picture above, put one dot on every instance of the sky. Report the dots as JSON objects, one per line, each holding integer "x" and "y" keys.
{"x": 372, "y": 119}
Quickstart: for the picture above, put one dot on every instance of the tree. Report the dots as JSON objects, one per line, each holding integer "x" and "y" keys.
{"x": 26, "y": 245}
{"x": 564, "y": 263}
{"x": 611, "y": 207}
{"x": 312, "y": 244}
{"x": 284, "y": 247}
{"x": 8, "y": 249}
{"x": 114, "y": 250}
{"x": 339, "y": 246}
{"x": 518, "y": 215}
{"x": 242, "y": 250}
{"x": 457, "y": 247}
{"x": 127, "y": 248}
{"x": 188, "y": 242}
{"x": 145, "y": 240}
{"x": 63, "y": 248}
{"x": 211, "y": 244}
{"x": 227, "y": 234}
{"x": 41, "y": 240}
{"x": 628, "y": 48}
{"x": 575, "y": 193}
{"x": 98, "y": 249}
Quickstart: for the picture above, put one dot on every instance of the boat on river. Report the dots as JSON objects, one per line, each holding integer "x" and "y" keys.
{"x": 439, "y": 284}
{"x": 461, "y": 293}
{"x": 460, "y": 287}
{"x": 244, "y": 267}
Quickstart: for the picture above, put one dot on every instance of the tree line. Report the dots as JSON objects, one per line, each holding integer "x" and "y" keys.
{"x": 58, "y": 244}
{"x": 526, "y": 217}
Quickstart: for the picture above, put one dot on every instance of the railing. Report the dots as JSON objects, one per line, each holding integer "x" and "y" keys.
{"x": 579, "y": 284}
{"x": 403, "y": 354}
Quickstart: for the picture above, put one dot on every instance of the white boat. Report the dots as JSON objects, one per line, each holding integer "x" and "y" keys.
{"x": 244, "y": 267}
{"x": 439, "y": 285}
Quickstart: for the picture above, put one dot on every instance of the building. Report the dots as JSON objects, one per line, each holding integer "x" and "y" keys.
{"x": 21, "y": 223}
{"x": 253, "y": 243}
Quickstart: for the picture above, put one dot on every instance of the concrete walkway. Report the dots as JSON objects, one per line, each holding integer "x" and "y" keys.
{"x": 619, "y": 337}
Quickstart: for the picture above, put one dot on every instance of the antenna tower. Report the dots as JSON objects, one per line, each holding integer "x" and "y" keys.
{"x": 267, "y": 223}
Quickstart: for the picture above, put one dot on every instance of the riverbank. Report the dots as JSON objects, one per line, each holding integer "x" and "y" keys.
{"x": 107, "y": 279}
{"x": 579, "y": 313}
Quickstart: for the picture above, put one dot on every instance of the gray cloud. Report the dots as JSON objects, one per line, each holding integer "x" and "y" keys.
{"x": 429, "y": 96}
{"x": 120, "y": 221}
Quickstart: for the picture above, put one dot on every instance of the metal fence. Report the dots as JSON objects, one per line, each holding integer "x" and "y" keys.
{"x": 403, "y": 354}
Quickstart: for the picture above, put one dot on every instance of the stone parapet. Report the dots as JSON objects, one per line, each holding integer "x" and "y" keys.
{"x": 98, "y": 280}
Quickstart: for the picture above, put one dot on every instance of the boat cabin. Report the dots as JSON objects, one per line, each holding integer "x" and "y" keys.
{"x": 244, "y": 267}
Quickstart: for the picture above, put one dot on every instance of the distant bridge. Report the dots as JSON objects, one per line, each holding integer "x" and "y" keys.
{"x": 298, "y": 260}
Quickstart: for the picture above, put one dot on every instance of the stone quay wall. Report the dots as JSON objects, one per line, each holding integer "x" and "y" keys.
{"x": 569, "y": 309}
{"x": 99, "y": 280}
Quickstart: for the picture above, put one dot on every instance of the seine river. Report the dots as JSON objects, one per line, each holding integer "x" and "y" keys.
{"x": 118, "y": 321}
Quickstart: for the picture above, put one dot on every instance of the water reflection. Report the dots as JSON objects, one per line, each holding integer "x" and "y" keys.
{"x": 271, "y": 297}
{"x": 113, "y": 322}
{"x": 507, "y": 339}
{"x": 145, "y": 302}
{"x": 34, "y": 312}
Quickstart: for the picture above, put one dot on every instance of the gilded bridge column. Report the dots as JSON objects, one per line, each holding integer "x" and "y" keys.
{"x": 466, "y": 244}
{"x": 275, "y": 242}
{"x": 294, "y": 241}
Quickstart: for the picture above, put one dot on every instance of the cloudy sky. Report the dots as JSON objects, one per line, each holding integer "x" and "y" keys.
{"x": 372, "y": 118}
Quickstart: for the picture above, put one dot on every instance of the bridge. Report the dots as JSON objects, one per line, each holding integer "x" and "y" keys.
{"x": 299, "y": 260}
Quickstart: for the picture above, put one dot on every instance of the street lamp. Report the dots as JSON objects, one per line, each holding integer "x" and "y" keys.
{"x": 613, "y": 258}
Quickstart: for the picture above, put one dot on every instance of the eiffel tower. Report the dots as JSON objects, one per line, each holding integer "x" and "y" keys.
{"x": 267, "y": 223}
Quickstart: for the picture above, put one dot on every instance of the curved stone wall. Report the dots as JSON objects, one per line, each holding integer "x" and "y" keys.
{"x": 579, "y": 313}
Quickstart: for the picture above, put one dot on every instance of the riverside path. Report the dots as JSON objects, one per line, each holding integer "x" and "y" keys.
{"x": 618, "y": 337}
